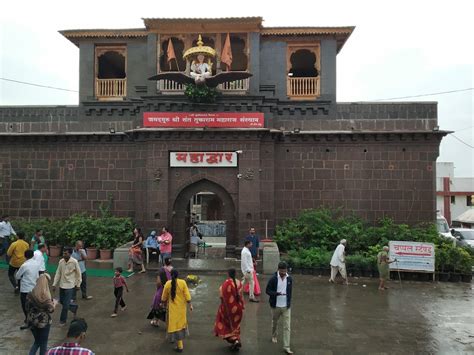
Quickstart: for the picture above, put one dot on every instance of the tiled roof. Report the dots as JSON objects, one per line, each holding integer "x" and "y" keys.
{"x": 73, "y": 35}
{"x": 285, "y": 31}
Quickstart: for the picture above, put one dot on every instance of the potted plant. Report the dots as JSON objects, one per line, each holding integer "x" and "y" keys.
{"x": 92, "y": 252}
{"x": 105, "y": 243}
{"x": 54, "y": 245}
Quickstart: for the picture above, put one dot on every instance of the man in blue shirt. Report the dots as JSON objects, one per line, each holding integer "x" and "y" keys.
{"x": 80, "y": 255}
{"x": 254, "y": 238}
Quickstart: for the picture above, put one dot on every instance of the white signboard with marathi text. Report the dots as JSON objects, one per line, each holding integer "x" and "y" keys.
{"x": 203, "y": 159}
{"x": 412, "y": 256}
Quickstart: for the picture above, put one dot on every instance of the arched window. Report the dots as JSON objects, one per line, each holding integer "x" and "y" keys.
{"x": 239, "y": 56}
{"x": 174, "y": 65}
{"x": 111, "y": 65}
{"x": 111, "y": 72}
{"x": 303, "y": 64}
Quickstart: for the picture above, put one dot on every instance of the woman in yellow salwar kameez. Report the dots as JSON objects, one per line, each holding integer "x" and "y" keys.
{"x": 176, "y": 294}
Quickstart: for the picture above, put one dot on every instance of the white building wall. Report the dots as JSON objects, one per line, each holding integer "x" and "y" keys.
{"x": 456, "y": 185}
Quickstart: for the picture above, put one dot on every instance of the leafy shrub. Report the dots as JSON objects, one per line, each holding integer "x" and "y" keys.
{"x": 105, "y": 232}
{"x": 311, "y": 238}
{"x": 200, "y": 93}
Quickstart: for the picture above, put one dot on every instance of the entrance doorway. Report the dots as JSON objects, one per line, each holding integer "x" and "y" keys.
{"x": 205, "y": 210}
{"x": 211, "y": 207}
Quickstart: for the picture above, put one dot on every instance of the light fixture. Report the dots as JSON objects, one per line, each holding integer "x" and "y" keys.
{"x": 238, "y": 152}
{"x": 290, "y": 74}
{"x": 112, "y": 130}
{"x": 435, "y": 128}
{"x": 239, "y": 176}
{"x": 296, "y": 130}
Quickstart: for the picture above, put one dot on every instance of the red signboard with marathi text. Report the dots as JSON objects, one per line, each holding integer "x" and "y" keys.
{"x": 203, "y": 119}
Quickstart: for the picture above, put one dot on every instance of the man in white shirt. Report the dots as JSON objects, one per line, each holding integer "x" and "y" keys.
{"x": 27, "y": 274}
{"x": 6, "y": 231}
{"x": 38, "y": 256}
{"x": 338, "y": 262}
{"x": 68, "y": 276}
{"x": 280, "y": 289}
{"x": 246, "y": 264}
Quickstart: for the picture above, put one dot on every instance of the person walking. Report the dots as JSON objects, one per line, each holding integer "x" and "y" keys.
{"x": 338, "y": 262}
{"x": 230, "y": 312}
{"x": 39, "y": 257}
{"x": 165, "y": 240}
{"x": 26, "y": 276}
{"x": 158, "y": 311}
{"x": 80, "y": 254}
{"x": 39, "y": 307}
{"x": 75, "y": 335}
{"x": 280, "y": 288}
{"x": 177, "y": 296}
{"x": 16, "y": 255}
{"x": 68, "y": 276}
{"x": 383, "y": 262}
{"x": 246, "y": 264}
{"x": 6, "y": 232}
{"x": 119, "y": 284}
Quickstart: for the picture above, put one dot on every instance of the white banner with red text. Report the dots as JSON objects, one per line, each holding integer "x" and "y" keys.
{"x": 412, "y": 256}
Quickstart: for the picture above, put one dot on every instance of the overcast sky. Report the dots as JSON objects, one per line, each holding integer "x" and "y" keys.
{"x": 399, "y": 48}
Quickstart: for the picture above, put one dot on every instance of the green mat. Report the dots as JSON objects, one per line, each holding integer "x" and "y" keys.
{"x": 90, "y": 272}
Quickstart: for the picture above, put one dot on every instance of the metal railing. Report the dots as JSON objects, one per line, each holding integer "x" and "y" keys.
{"x": 110, "y": 88}
{"x": 303, "y": 87}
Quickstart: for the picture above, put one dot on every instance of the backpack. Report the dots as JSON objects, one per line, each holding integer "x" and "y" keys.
{"x": 36, "y": 317}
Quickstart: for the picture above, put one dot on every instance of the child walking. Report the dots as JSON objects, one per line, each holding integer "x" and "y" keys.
{"x": 119, "y": 283}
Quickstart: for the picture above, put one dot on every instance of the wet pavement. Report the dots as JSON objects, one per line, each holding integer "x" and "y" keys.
{"x": 417, "y": 318}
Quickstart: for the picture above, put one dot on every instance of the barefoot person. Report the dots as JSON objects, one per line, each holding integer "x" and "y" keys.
{"x": 382, "y": 263}
{"x": 246, "y": 264}
{"x": 68, "y": 277}
{"x": 80, "y": 254}
{"x": 27, "y": 276}
{"x": 39, "y": 306}
{"x": 119, "y": 284}
{"x": 16, "y": 255}
{"x": 158, "y": 311}
{"x": 230, "y": 312}
{"x": 338, "y": 262}
{"x": 135, "y": 254}
{"x": 177, "y": 296}
{"x": 280, "y": 288}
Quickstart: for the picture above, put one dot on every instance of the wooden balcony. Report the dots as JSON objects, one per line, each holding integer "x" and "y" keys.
{"x": 110, "y": 89}
{"x": 234, "y": 87}
{"x": 170, "y": 87}
{"x": 303, "y": 88}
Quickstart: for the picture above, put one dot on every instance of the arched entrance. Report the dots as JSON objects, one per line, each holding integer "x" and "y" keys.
{"x": 210, "y": 205}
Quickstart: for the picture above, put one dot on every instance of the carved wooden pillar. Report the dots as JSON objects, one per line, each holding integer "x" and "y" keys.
{"x": 218, "y": 52}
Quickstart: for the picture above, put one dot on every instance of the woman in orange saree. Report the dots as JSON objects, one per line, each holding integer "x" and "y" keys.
{"x": 230, "y": 312}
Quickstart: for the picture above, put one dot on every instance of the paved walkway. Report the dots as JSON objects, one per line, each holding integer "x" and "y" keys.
{"x": 420, "y": 318}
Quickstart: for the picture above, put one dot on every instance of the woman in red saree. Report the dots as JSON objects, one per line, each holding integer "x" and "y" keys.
{"x": 230, "y": 312}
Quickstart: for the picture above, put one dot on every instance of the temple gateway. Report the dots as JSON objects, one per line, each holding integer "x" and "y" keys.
{"x": 220, "y": 121}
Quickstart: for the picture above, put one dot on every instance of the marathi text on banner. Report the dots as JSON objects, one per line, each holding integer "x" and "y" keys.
{"x": 203, "y": 159}
{"x": 204, "y": 119}
{"x": 412, "y": 256}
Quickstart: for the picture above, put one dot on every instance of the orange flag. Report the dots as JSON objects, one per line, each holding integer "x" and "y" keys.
{"x": 170, "y": 53}
{"x": 226, "y": 56}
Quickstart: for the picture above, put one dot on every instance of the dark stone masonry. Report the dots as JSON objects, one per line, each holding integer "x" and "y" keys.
{"x": 371, "y": 159}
